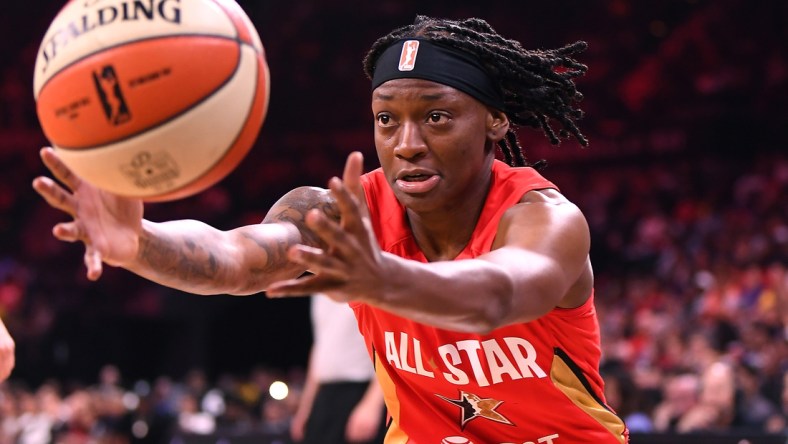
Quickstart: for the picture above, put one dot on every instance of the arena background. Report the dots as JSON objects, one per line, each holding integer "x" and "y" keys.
{"x": 694, "y": 89}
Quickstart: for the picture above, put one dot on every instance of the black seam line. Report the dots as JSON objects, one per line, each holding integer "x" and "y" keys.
{"x": 235, "y": 139}
{"x": 174, "y": 116}
{"x": 578, "y": 372}
{"x": 144, "y": 39}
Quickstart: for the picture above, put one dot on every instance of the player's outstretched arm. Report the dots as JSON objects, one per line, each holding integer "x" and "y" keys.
{"x": 195, "y": 257}
{"x": 185, "y": 254}
{"x": 539, "y": 262}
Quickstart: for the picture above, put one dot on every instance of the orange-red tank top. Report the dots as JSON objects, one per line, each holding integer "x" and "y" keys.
{"x": 536, "y": 382}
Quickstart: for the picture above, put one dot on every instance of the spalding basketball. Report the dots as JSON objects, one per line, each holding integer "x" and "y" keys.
{"x": 154, "y": 99}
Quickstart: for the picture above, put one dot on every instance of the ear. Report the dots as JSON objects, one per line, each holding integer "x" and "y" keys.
{"x": 497, "y": 125}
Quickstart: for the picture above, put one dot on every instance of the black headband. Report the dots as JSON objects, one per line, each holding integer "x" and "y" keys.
{"x": 423, "y": 59}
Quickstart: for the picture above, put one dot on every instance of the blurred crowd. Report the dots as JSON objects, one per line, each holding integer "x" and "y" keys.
{"x": 693, "y": 302}
{"x": 158, "y": 411}
{"x": 685, "y": 188}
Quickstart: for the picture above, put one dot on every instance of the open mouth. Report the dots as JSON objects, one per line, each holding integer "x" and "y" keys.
{"x": 416, "y": 177}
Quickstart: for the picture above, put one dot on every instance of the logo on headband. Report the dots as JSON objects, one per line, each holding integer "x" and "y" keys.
{"x": 407, "y": 60}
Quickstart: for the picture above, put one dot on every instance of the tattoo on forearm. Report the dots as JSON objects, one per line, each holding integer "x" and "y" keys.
{"x": 188, "y": 263}
{"x": 275, "y": 255}
{"x": 187, "y": 258}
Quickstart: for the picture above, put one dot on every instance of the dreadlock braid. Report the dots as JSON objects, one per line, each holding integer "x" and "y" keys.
{"x": 537, "y": 85}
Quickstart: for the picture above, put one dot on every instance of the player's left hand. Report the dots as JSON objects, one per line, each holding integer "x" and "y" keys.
{"x": 352, "y": 267}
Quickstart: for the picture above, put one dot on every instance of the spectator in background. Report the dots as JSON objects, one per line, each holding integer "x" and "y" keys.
{"x": 275, "y": 415}
{"x": 81, "y": 423}
{"x": 9, "y": 416}
{"x": 753, "y": 409}
{"x": 341, "y": 401}
{"x": 623, "y": 396}
{"x": 778, "y": 422}
{"x": 191, "y": 419}
{"x": 715, "y": 408}
{"x": 680, "y": 394}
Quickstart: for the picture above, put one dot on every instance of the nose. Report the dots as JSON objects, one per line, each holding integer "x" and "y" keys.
{"x": 411, "y": 143}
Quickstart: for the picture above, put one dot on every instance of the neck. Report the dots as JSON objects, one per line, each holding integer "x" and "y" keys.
{"x": 443, "y": 234}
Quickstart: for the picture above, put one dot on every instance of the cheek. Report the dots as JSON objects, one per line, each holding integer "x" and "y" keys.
{"x": 474, "y": 143}
{"x": 383, "y": 144}
{"x": 384, "y": 148}
{"x": 385, "y": 137}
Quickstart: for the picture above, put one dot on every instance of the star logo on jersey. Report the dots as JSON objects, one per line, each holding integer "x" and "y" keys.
{"x": 473, "y": 406}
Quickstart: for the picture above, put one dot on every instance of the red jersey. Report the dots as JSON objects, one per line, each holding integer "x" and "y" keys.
{"x": 533, "y": 382}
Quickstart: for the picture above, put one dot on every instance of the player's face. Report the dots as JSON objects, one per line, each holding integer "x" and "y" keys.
{"x": 435, "y": 143}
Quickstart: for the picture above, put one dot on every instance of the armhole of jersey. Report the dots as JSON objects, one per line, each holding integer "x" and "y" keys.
{"x": 581, "y": 310}
{"x": 540, "y": 186}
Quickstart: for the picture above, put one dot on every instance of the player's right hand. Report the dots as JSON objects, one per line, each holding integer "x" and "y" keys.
{"x": 108, "y": 225}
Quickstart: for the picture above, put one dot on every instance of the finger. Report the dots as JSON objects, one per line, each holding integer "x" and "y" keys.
{"x": 58, "y": 168}
{"x": 54, "y": 194}
{"x": 317, "y": 262}
{"x": 341, "y": 243}
{"x": 301, "y": 287}
{"x": 291, "y": 287}
{"x": 354, "y": 167}
{"x": 349, "y": 208}
{"x": 352, "y": 174}
{"x": 93, "y": 263}
{"x": 68, "y": 231}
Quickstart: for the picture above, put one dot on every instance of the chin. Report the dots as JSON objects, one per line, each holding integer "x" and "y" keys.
{"x": 416, "y": 202}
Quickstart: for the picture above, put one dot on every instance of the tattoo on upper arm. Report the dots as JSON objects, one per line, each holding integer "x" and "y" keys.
{"x": 293, "y": 207}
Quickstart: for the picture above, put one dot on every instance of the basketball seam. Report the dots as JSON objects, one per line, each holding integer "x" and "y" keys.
{"x": 172, "y": 117}
{"x": 144, "y": 39}
{"x": 261, "y": 71}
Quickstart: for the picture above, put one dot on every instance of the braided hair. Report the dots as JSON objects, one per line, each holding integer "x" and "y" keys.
{"x": 537, "y": 85}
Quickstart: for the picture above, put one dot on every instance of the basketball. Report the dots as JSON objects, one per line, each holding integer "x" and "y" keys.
{"x": 152, "y": 99}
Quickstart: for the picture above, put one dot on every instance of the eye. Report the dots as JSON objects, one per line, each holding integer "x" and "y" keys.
{"x": 436, "y": 117}
{"x": 383, "y": 119}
